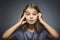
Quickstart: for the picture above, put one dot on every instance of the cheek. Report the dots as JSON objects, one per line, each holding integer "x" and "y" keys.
{"x": 27, "y": 17}
{"x": 35, "y": 17}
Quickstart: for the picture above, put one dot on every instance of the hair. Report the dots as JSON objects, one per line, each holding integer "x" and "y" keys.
{"x": 38, "y": 26}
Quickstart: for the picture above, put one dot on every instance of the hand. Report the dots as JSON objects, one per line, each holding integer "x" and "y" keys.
{"x": 22, "y": 20}
{"x": 40, "y": 18}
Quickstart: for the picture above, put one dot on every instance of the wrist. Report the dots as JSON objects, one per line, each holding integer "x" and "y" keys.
{"x": 43, "y": 22}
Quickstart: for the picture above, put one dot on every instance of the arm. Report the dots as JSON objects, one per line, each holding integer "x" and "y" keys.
{"x": 50, "y": 29}
{"x": 8, "y": 32}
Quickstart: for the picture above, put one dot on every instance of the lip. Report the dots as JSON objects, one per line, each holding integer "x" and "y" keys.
{"x": 30, "y": 20}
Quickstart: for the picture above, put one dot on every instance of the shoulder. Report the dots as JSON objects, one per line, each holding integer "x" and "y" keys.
{"x": 16, "y": 35}
{"x": 18, "y": 32}
{"x": 44, "y": 31}
{"x": 43, "y": 34}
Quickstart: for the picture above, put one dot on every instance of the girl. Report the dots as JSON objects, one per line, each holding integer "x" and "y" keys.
{"x": 31, "y": 26}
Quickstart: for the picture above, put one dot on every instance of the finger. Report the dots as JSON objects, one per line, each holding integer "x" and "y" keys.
{"x": 23, "y": 17}
{"x": 21, "y": 20}
{"x": 24, "y": 22}
{"x": 40, "y": 14}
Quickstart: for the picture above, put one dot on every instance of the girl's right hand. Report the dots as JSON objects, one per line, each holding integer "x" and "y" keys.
{"x": 22, "y": 20}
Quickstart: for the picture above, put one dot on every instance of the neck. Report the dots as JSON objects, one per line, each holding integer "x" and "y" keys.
{"x": 31, "y": 28}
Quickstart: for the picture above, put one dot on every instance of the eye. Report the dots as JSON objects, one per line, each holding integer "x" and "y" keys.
{"x": 34, "y": 14}
{"x": 27, "y": 13}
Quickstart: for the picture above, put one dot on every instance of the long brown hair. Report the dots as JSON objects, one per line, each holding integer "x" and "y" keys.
{"x": 38, "y": 26}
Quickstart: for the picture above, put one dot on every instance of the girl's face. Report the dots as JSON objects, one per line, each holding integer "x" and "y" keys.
{"x": 31, "y": 15}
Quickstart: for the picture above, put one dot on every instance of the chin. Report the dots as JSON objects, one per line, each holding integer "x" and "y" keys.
{"x": 31, "y": 23}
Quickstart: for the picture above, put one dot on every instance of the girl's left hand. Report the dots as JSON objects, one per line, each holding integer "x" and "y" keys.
{"x": 40, "y": 18}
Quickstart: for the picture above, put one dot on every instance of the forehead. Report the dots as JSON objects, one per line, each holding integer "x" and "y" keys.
{"x": 30, "y": 10}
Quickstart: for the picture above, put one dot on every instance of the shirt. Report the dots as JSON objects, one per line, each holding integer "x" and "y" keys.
{"x": 26, "y": 35}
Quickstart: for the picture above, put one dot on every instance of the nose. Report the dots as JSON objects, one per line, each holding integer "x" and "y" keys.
{"x": 31, "y": 16}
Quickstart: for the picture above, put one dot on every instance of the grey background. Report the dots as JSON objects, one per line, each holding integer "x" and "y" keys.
{"x": 10, "y": 12}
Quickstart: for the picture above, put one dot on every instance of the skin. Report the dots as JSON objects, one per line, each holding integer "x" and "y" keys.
{"x": 31, "y": 14}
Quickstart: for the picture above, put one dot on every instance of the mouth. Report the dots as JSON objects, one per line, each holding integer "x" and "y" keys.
{"x": 31, "y": 20}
